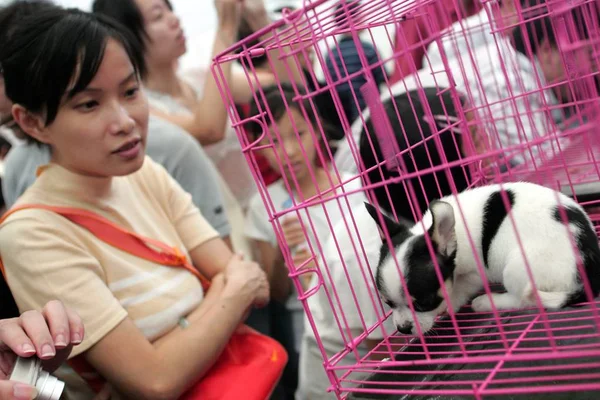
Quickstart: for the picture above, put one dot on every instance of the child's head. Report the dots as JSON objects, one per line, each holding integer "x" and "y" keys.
{"x": 288, "y": 129}
{"x": 74, "y": 81}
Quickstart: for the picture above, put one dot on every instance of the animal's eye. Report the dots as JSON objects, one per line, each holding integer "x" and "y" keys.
{"x": 427, "y": 304}
{"x": 390, "y": 303}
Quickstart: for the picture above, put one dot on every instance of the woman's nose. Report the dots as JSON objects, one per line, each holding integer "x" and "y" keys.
{"x": 123, "y": 123}
{"x": 174, "y": 20}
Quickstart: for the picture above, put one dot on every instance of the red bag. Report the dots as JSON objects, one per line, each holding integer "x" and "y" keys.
{"x": 251, "y": 364}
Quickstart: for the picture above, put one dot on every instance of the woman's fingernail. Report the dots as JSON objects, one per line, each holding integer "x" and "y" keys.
{"x": 76, "y": 339}
{"x": 60, "y": 340}
{"x": 48, "y": 351}
{"x": 24, "y": 392}
{"x": 27, "y": 349}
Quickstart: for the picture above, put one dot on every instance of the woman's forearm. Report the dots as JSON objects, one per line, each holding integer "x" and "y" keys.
{"x": 280, "y": 66}
{"x": 186, "y": 354}
{"x": 170, "y": 365}
{"x": 242, "y": 90}
{"x": 210, "y": 115}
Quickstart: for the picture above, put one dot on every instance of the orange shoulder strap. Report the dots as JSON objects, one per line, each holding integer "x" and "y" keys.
{"x": 118, "y": 237}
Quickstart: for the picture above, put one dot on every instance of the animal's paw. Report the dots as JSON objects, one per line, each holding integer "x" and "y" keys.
{"x": 481, "y": 304}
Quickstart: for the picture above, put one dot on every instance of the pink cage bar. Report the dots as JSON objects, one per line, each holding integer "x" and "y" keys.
{"x": 469, "y": 98}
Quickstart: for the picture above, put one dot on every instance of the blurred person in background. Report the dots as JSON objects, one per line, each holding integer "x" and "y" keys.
{"x": 344, "y": 60}
{"x": 471, "y": 34}
{"x": 515, "y": 79}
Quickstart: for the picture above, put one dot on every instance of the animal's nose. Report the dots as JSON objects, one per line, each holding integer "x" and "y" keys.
{"x": 405, "y": 329}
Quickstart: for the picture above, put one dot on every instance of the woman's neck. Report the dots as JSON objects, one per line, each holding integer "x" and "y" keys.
{"x": 164, "y": 79}
{"x": 73, "y": 179}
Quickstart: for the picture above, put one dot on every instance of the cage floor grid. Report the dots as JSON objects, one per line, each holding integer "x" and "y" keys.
{"x": 525, "y": 356}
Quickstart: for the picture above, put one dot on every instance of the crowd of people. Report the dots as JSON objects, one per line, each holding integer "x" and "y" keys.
{"x": 98, "y": 120}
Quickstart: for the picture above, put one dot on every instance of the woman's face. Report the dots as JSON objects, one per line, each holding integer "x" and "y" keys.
{"x": 287, "y": 126}
{"x": 166, "y": 41}
{"x": 101, "y": 131}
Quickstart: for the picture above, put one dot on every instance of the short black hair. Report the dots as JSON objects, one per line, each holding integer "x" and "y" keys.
{"x": 128, "y": 14}
{"x": 10, "y": 17}
{"x": 12, "y": 14}
{"x": 423, "y": 155}
{"x": 52, "y": 48}
{"x": 341, "y": 19}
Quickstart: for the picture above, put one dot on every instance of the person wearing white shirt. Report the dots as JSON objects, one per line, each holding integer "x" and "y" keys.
{"x": 467, "y": 35}
{"x": 513, "y": 90}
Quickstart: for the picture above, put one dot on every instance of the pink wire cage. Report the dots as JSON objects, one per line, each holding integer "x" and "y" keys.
{"x": 483, "y": 113}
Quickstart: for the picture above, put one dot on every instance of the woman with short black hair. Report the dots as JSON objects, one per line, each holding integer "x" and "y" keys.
{"x": 151, "y": 331}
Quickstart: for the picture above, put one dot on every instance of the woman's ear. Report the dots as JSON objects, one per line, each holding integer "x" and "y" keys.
{"x": 33, "y": 125}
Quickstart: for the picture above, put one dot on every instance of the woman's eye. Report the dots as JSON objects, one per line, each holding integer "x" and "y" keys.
{"x": 132, "y": 92}
{"x": 158, "y": 16}
{"x": 88, "y": 105}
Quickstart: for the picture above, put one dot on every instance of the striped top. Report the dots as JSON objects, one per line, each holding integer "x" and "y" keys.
{"x": 345, "y": 58}
{"x": 47, "y": 257}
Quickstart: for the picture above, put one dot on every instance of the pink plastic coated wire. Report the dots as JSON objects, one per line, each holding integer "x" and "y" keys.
{"x": 505, "y": 109}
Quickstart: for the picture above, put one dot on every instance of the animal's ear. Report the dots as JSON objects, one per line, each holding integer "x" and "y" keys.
{"x": 442, "y": 229}
{"x": 392, "y": 226}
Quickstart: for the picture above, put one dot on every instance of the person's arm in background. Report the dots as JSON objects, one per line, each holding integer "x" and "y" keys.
{"x": 20, "y": 168}
{"x": 209, "y": 119}
{"x": 187, "y": 162}
{"x": 259, "y": 231}
{"x": 257, "y": 18}
{"x": 272, "y": 261}
{"x": 50, "y": 335}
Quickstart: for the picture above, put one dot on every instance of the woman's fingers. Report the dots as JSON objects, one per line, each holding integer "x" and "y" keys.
{"x": 76, "y": 327}
{"x": 16, "y": 391}
{"x": 36, "y": 328}
{"x": 13, "y": 336}
{"x": 58, "y": 321}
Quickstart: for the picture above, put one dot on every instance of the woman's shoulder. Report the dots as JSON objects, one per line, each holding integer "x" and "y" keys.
{"x": 24, "y": 227}
{"x": 151, "y": 173}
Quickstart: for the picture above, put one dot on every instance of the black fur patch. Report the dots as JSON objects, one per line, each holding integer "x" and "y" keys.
{"x": 494, "y": 214}
{"x": 422, "y": 280}
{"x": 587, "y": 244}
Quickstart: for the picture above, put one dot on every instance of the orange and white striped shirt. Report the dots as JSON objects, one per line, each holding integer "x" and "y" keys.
{"x": 48, "y": 257}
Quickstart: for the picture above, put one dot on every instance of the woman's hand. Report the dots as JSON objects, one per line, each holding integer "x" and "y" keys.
{"x": 50, "y": 335}
{"x": 229, "y": 13}
{"x": 246, "y": 281}
{"x": 255, "y": 14}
